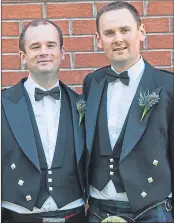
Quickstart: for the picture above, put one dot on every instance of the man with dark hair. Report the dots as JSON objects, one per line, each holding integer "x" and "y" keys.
{"x": 129, "y": 126}
{"x": 42, "y": 142}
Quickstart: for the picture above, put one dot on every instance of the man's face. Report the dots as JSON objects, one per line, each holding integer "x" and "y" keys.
{"x": 119, "y": 36}
{"x": 42, "y": 50}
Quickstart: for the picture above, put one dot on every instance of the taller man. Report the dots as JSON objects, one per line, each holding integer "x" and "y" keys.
{"x": 129, "y": 125}
{"x": 42, "y": 142}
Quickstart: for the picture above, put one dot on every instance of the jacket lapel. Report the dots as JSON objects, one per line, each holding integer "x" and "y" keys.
{"x": 92, "y": 108}
{"x": 78, "y": 130}
{"x": 59, "y": 152}
{"x": 17, "y": 114}
{"x": 135, "y": 128}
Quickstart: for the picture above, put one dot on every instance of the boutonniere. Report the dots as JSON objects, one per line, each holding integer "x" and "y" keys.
{"x": 81, "y": 107}
{"x": 147, "y": 101}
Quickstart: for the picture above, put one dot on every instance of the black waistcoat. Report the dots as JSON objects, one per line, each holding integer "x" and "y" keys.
{"x": 105, "y": 161}
{"x": 61, "y": 181}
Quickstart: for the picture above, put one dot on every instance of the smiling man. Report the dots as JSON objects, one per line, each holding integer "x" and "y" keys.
{"x": 129, "y": 126}
{"x": 42, "y": 171}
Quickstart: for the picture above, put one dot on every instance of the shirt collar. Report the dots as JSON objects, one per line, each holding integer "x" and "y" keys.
{"x": 30, "y": 86}
{"x": 136, "y": 70}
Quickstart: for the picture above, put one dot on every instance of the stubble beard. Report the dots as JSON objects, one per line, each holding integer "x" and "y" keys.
{"x": 45, "y": 78}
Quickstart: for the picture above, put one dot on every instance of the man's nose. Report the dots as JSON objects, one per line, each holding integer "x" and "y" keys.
{"x": 43, "y": 50}
{"x": 118, "y": 37}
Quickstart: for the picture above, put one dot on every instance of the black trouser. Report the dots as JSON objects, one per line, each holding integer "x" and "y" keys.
{"x": 76, "y": 215}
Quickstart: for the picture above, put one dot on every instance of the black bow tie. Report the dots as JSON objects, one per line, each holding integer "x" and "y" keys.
{"x": 112, "y": 76}
{"x": 39, "y": 94}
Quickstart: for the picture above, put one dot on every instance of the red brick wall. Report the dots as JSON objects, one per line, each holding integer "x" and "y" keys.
{"x": 77, "y": 21}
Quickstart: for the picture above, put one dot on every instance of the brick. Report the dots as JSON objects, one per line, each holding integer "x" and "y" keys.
{"x": 83, "y": 27}
{"x": 78, "y": 90}
{"x": 10, "y": 62}
{"x": 137, "y": 5}
{"x": 158, "y": 58}
{"x": 73, "y": 76}
{"x": 156, "y": 24}
{"x": 66, "y": 62}
{"x": 78, "y": 43}
{"x": 10, "y": 28}
{"x": 90, "y": 60}
{"x": 160, "y": 41}
{"x": 160, "y": 8}
{"x": 64, "y": 26}
{"x": 11, "y": 78}
{"x": 10, "y": 45}
{"x": 25, "y": 11}
{"x": 70, "y": 10}
{"x": 172, "y": 24}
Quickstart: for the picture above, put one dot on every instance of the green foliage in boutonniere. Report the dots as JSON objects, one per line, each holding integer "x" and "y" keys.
{"x": 147, "y": 101}
{"x": 81, "y": 108}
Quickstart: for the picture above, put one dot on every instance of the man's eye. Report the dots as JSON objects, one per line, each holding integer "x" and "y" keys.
{"x": 124, "y": 30}
{"x": 109, "y": 34}
{"x": 51, "y": 45}
{"x": 35, "y": 47}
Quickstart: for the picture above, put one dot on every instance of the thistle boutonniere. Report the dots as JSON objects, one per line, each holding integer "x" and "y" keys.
{"x": 147, "y": 101}
{"x": 81, "y": 107}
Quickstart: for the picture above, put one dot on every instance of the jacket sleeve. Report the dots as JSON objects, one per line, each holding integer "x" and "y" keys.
{"x": 86, "y": 86}
{"x": 171, "y": 148}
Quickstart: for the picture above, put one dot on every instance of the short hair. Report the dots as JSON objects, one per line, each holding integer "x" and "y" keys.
{"x": 115, "y": 6}
{"x": 35, "y": 23}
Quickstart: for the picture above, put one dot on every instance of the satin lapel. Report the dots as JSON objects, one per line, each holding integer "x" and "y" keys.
{"x": 78, "y": 130}
{"x": 135, "y": 128}
{"x": 92, "y": 108}
{"x": 59, "y": 152}
{"x": 19, "y": 120}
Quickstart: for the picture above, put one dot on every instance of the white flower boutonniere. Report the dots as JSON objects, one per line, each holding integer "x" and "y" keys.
{"x": 147, "y": 101}
{"x": 81, "y": 108}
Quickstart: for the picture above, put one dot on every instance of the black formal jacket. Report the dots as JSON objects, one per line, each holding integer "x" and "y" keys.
{"x": 146, "y": 141}
{"x": 19, "y": 147}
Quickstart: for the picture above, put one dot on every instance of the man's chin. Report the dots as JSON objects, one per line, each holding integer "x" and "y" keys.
{"x": 119, "y": 60}
{"x": 45, "y": 71}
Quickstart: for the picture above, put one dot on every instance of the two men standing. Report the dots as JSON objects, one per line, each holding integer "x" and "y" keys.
{"x": 129, "y": 124}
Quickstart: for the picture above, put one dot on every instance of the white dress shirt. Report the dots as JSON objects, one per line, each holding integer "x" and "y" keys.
{"x": 47, "y": 113}
{"x": 119, "y": 99}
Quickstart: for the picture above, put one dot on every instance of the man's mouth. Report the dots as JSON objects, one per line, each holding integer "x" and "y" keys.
{"x": 44, "y": 61}
{"x": 119, "y": 48}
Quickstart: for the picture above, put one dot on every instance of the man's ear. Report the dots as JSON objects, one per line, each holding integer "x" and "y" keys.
{"x": 142, "y": 32}
{"x": 22, "y": 55}
{"x": 99, "y": 42}
{"x": 62, "y": 53}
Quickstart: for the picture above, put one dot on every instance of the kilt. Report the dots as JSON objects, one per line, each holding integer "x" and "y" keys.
{"x": 100, "y": 209}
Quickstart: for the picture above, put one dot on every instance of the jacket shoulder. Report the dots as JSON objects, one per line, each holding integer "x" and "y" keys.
{"x": 3, "y": 89}
{"x": 166, "y": 72}
{"x": 68, "y": 89}
{"x": 6, "y": 91}
{"x": 97, "y": 73}
{"x": 167, "y": 75}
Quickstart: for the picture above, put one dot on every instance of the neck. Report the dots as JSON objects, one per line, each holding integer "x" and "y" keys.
{"x": 46, "y": 81}
{"x": 120, "y": 67}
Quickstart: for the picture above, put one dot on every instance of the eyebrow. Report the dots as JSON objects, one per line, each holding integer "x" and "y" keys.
{"x": 121, "y": 27}
{"x": 37, "y": 43}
